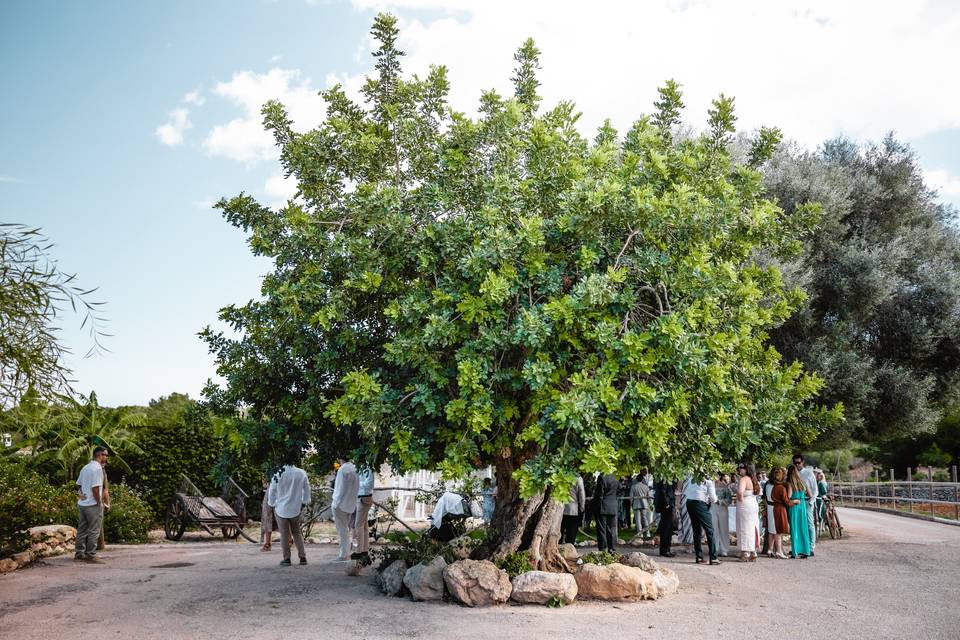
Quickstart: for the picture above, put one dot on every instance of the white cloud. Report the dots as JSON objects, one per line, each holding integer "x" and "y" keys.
{"x": 171, "y": 133}
{"x": 946, "y": 184}
{"x": 815, "y": 68}
{"x": 194, "y": 98}
{"x": 280, "y": 189}
{"x": 244, "y": 138}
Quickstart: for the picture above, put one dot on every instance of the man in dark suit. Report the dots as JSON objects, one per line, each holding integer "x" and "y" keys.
{"x": 605, "y": 498}
{"x": 664, "y": 501}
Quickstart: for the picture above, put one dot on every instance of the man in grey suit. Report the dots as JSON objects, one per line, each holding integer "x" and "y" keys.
{"x": 605, "y": 497}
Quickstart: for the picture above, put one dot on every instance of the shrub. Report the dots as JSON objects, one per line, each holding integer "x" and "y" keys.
{"x": 28, "y": 500}
{"x": 169, "y": 450}
{"x": 412, "y": 549}
{"x": 129, "y": 518}
{"x": 516, "y": 563}
{"x": 601, "y": 557}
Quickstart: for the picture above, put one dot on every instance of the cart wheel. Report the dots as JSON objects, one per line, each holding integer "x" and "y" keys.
{"x": 175, "y": 520}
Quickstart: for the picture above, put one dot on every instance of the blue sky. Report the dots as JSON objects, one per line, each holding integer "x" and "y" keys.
{"x": 123, "y": 121}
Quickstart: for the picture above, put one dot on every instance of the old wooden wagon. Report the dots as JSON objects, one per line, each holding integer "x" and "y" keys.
{"x": 190, "y": 506}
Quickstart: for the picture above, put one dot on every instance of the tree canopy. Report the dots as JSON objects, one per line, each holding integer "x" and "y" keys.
{"x": 882, "y": 320}
{"x": 451, "y": 292}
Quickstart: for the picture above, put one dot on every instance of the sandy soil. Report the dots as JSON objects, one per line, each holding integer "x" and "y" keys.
{"x": 889, "y": 577}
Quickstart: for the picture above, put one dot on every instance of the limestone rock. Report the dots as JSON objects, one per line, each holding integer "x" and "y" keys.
{"x": 7, "y": 565}
{"x": 23, "y": 558}
{"x": 312, "y": 540}
{"x": 666, "y": 581}
{"x": 390, "y": 579}
{"x": 539, "y": 587}
{"x": 48, "y": 530}
{"x": 569, "y": 553}
{"x": 477, "y": 583}
{"x": 615, "y": 582}
{"x": 640, "y": 561}
{"x": 326, "y": 540}
{"x": 425, "y": 581}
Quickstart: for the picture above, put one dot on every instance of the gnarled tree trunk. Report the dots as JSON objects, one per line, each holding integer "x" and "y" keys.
{"x": 519, "y": 524}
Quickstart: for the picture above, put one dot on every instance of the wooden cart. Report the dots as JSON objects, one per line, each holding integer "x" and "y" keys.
{"x": 190, "y": 506}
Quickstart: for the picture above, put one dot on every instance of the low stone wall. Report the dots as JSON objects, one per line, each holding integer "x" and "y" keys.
{"x": 48, "y": 540}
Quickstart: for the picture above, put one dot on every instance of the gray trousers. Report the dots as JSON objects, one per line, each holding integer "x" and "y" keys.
{"x": 288, "y": 527}
{"x": 88, "y": 531}
{"x": 811, "y": 525}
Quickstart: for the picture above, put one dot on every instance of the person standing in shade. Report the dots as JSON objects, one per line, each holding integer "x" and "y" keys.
{"x": 266, "y": 517}
{"x": 288, "y": 493}
{"x": 640, "y": 499}
{"x": 346, "y": 489}
{"x": 90, "y": 505}
{"x": 810, "y": 487}
{"x": 767, "y": 487}
{"x": 489, "y": 493}
{"x": 664, "y": 502}
{"x": 699, "y": 496}
{"x": 605, "y": 497}
{"x": 573, "y": 512}
{"x": 780, "y": 499}
{"x": 822, "y": 491}
{"x": 799, "y": 533}
{"x": 748, "y": 512}
{"x": 719, "y": 515}
{"x": 361, "y": 529}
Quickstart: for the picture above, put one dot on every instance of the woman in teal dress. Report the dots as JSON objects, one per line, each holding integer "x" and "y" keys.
{"x": 799, "y": 534}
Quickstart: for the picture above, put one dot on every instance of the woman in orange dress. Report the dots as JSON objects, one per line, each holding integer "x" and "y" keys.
{"x": 781, "y": 506}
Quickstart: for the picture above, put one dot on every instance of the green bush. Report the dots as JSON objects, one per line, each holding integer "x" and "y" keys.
{"x": 412, "y": 549}
{"x": 129, "y": 517}
{"x": 516, "y": 563}
{"x": 601, "y": 557}
{"x": 169, "y": 450}
{"x": 28, "y": 500}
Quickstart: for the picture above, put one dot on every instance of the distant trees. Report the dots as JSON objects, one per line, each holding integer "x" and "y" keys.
{"x": 881, "y": 323}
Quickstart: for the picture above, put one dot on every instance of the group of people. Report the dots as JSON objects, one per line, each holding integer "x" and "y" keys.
{"x": 288, "y": 492}
{"x": 711, "y": 508}
{"x": 760, "y": 509}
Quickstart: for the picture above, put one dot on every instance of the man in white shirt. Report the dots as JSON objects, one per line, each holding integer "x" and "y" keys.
{"x": 289, "y": 492}
{"x": 700, "y": 494}
{"x": 90, "y": 504}
{"x": 810, "y": 480}
{"x": 346, "y": 488}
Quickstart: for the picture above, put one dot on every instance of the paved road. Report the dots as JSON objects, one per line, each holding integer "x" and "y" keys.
{"x": 889, "y": 577}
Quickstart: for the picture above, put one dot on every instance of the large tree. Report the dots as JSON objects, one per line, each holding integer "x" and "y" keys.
{"x": 882, "y": 320}
{"x": 452, "y": 293}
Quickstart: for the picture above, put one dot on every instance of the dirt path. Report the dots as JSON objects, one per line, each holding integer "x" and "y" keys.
{"x": 891, "y": 578}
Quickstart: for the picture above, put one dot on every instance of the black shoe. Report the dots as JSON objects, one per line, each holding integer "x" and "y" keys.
{"x": 811, "y": 554}
{"x": 285, "y": 563}
{"x": 715, "y": 561}
{"x": 699, "y": 561}
{"x": 303, "y": 561}
{"x": 668, "y": 554}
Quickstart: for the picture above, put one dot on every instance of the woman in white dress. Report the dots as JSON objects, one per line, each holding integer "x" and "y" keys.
{"x": 748, "y": 513}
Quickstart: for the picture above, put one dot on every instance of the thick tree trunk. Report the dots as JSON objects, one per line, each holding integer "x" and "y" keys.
{"x": 518, "y": 524}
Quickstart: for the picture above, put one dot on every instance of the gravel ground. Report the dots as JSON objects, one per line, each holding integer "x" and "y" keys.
{"x": 889, "y": 577}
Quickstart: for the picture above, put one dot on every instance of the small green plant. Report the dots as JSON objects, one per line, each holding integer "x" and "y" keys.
{"x": 516, "y": 563}
{"x": 601, "y": 557}
{"x": 412, "y": 549}
{"x": 480, "y": 535}
{"x": 555, "y": 602}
